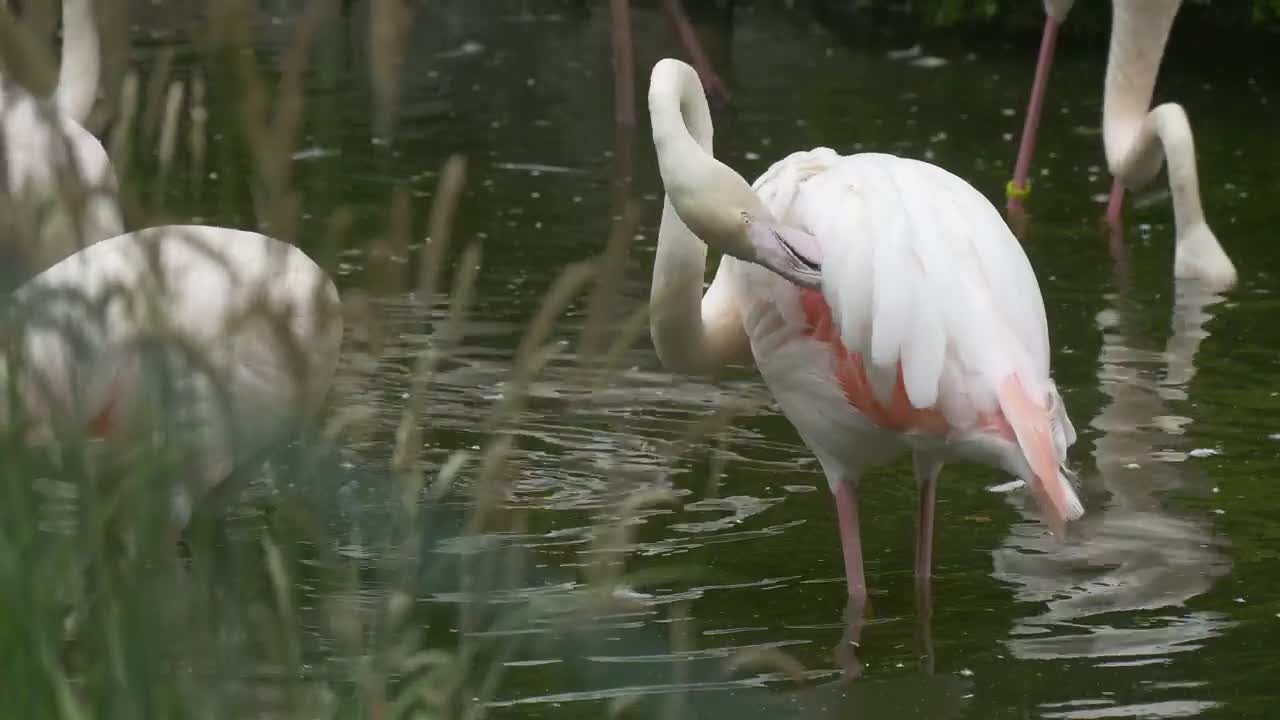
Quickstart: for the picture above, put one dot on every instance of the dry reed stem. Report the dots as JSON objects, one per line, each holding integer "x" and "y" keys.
{"x": 681, "y": 644}
{"x": 24, "y": 59}
{"x": 198, "y": 139}
{"x": 388, "y": 31}
{"x": 440, "y": 225}
{"x": 408, "y": 435}
{"x": 611, "y": 541}
{"x": 631, "y": 330}
{"x": 153, "y": 109}
{"x": 281, "y": 588}
{"x": 624, "y": 71}
{"x": 120, "y": 142}
{"x": 530, "y": 354}
{"x": 270, "y": 137}
{"x": 608, "y": 282}
{"x": 387, "y": 255}
{"x": 168, "y": 138}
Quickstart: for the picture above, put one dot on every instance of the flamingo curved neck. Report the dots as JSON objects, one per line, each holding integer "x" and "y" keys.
{"x": 691, "y": 334}
{"x": 1139, "y": 32}
{"x": 78, "y": 74}
{"x": 1138, "y": 142}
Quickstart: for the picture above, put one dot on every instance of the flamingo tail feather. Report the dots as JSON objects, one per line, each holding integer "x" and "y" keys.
{"x": 1033, "y": 428}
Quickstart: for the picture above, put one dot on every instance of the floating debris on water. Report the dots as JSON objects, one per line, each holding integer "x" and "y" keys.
{"x": 470, "y": 47}
{"x": 905, "y": 54}
{"x": 929, "y": 62}
{"x": 537, "y": 168}
{"x": 315, "y": 153}
{"x": 1006, "y": 487}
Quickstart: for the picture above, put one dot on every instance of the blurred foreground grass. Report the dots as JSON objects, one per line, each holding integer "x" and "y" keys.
{"x": 318, "y": 603}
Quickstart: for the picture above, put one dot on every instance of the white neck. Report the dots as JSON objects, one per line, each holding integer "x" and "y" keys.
{"x": 1139, "y": 31}
{"x": 691, "y": 334}
{"x": 1138, "y": 141}
{"x": 78, "y": 75}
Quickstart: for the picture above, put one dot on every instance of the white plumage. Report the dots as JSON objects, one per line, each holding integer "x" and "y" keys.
{"x": 247, "y": 330}
{"x": 1138, "y": 139}
{"x": 919, "y": 269}
{"x": 848, "y": 273}
{"x": 47, "y": 151}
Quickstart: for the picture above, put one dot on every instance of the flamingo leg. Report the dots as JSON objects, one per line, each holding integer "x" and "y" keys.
{"x": 855, "y": 610}
{"x": 851, "y": 541}
{"x": 1115, "y": 202}
{"x": 1018, "y": 188}
{"x": 689, "y": 38}
{"x": 924, "y": 627}
{"x": 926, "y": 472}
{"x": 846, "y": 652}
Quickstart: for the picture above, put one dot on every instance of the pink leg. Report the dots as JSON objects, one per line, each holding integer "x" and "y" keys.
{"x": 926, "y": 472}
{"x": 624, "y": 76}
{"x": 851, "y": 541}
{"x": 855, "y": 609}
{"x": 1115, "y": 202}
{"x": 1017, "y": 188}
{"x": 711, "y": 82}
{"x": 924, "y": 627}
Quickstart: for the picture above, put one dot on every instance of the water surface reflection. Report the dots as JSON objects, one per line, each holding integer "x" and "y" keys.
{"x": 1118, "y": 592}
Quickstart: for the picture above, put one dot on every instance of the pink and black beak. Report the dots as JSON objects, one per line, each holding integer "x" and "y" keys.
{"x": 790, "y": 252}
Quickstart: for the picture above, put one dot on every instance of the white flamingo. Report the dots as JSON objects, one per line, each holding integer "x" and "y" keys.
{"x": 47, "y": 150}
{"x": 884, "y": 300}
{"x": 1137, "y": 141}
{"x": 247, "y": 329}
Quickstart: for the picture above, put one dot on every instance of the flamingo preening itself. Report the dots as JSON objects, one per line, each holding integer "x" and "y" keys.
{"x": 886, "y": 303}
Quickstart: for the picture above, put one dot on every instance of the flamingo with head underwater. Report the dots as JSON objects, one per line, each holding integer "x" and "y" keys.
{"x": 885, "y": 302}
{"x": 47, "y": 151}
{"x": 1137, "y": 141}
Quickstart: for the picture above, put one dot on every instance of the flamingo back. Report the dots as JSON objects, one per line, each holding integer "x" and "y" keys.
{"x": 928, "y": 307}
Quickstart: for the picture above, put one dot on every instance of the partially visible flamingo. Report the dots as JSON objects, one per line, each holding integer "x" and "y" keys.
{"x": 47, "y": 151}
{"x": 624, "y": 64}
{"x": 887, "y": 305}
{"x": 1137, "y": 141}
{"x": 226, "y": 338}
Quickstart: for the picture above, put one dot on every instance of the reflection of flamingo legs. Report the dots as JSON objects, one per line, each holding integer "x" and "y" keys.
{"x": 1135, "y": 555}
{"x": 624, "y": 64}
{"x": 846, "y": 654}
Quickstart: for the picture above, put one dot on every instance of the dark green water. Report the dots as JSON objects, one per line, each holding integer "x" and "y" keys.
{"x": 1162, "y": 604}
